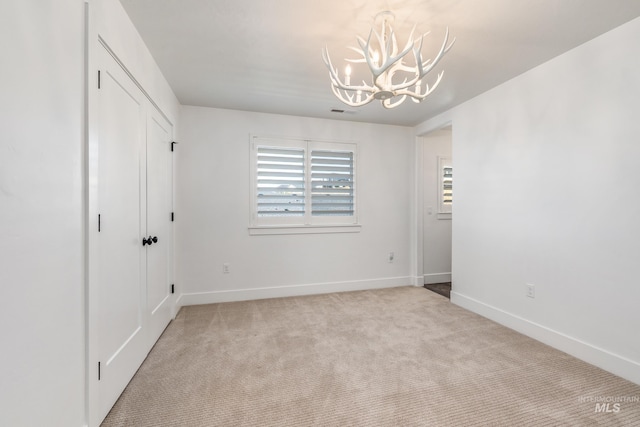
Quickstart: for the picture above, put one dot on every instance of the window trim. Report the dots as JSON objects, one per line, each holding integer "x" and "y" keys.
{"x": 264, "y": 230}
{"x": 308, "y": 223}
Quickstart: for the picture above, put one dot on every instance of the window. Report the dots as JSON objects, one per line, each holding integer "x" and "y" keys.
{"x": 280, "y": 182}
{"x": 332, "y": 183}
{"x": 445, "y": 185}
{"x": 302, "y": 184}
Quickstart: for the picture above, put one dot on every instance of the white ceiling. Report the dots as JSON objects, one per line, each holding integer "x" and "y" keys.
{"x": 265, "y": 55}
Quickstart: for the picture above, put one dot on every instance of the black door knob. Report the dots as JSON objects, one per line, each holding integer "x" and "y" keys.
{"x": 155, "y": 239}
{"x": 145, "y": 241}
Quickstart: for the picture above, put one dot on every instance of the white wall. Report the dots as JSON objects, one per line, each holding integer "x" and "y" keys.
{"x": 41, "y": 208}
{"x": 213, "y": 211}
{"x": 547, "y": 181}
{"x": 42, "y": 178}
{"x": 437, "y": 228}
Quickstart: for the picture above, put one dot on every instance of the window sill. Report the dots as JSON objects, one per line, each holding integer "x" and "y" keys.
{"x": 303, "y": 229}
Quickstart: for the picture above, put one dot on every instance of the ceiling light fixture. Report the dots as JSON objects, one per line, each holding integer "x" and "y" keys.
{"x": 391, "y": 77}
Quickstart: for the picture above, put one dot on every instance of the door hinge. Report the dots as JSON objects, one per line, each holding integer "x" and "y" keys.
{"x": 98, "y": 371}
{"x": 172, "y": 217}
{"x": 172, "y": 144}
{"x": 173, "y": 289}
{"x": 99, "y": 225}
{"x": 98, "y": 79}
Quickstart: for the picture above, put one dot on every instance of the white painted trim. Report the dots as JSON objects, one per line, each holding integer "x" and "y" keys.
{"x": 616, "y": 364}
{"x": 289, "y": 291}
{"x": 303, "y": 229}
{"x": 417, "y": 281}
{"x": 106, "y": 46}
{"x": 416, "y": 239}
{"x": 437, "y": 278}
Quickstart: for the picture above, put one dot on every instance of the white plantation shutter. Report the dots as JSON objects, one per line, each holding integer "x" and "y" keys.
{"x": 280, "y": 182}
{"x": 445, "y": 183}
{"x": 302, "y": 183}
{"x": 332, "y": 183}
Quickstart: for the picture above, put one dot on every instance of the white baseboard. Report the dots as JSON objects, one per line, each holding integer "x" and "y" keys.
{"x": 289, "y": 291}
{"x": 618, "y": 365}
{"x": 437, "y": 278}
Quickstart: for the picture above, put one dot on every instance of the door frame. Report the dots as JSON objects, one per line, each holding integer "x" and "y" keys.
{"x": 417, "y": 220}
{"x": 93, "y": 44}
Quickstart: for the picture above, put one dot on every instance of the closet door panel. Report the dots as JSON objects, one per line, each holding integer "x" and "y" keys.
{"x": 159, "y": 207}
{"x": 121, "y": 298}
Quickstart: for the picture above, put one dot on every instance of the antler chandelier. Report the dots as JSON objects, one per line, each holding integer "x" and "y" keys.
{"x": 392, "y": 79}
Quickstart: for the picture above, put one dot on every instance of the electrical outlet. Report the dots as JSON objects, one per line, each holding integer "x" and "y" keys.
{"x": 531, "y": 290}
{"x": 225, "y": 268}
{"x": 392, "y": 256}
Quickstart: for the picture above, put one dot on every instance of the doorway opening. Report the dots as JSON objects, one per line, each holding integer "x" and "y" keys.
{"x": 437, "y": 187}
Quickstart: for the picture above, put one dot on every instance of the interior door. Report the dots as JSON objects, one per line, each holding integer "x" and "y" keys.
{"x": 120, "y": 300}
{"x": 159, "y": 207}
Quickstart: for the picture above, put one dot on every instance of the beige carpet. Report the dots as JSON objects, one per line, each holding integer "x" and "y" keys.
{"x": 390, "y": 357}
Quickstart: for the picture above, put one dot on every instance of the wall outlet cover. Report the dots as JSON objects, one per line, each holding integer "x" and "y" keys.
{"x": 531, "y": 290}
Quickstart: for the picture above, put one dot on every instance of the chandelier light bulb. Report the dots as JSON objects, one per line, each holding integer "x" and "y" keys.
{"x": 393, "y": 77}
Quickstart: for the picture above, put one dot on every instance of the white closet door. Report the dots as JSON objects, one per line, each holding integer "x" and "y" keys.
{"x": 120, "y": 292}
{"x": 159, "y": 207}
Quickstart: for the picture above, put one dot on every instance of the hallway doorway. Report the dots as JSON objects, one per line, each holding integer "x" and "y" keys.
{"x": 437, "y": 207}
